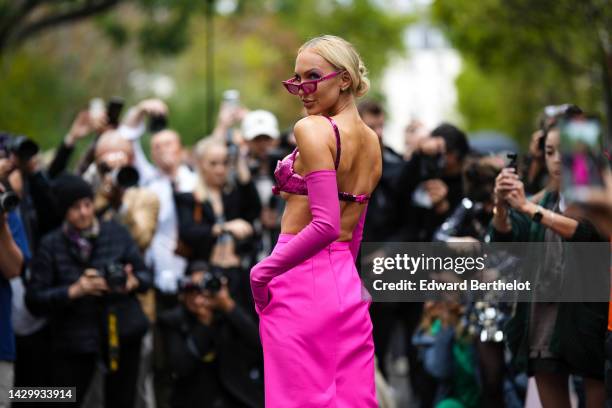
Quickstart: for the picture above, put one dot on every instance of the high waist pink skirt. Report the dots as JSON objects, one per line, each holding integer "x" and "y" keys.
{"x": 316, "y": 334}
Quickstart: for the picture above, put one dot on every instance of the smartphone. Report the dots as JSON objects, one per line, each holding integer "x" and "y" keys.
{"x": 582, "y": 160}
{"x": 513, "y": 161}
{"x": 232, "y": 97}
{"x": 97, "y": 110}
{"x": 113, "y": 111}
{"x": 157, "y": 123}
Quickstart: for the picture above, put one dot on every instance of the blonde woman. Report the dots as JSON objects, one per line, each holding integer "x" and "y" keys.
{"x": 215, "y": 221}
{"x": 315, "y": 325}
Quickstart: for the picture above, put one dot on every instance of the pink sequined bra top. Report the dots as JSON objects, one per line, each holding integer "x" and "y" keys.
{"x": 289, "y": 181}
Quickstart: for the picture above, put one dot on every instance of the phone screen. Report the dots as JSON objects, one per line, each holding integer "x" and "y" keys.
{"x": 582, "y": 160}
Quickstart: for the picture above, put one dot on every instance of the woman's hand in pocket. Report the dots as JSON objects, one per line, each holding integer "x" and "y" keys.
{"x": 259, "y": 288}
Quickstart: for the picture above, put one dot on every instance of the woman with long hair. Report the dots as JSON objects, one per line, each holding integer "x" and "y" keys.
{"x": 552, "y": 340}
{"x": 215, "y": 221}
{"x": 315, "y": 325}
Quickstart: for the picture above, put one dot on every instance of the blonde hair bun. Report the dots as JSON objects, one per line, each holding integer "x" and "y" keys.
{"x": 343, "y": 56}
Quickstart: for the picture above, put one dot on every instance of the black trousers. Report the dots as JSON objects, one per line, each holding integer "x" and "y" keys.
{"x": 33, "y": 361}
{"x": 77, "y": 370}
{"x": 385, "y": 316}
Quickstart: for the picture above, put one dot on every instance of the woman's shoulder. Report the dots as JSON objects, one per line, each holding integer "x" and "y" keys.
{"x": 311, "y": 126}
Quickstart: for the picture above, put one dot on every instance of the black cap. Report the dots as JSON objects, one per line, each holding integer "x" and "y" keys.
{"x": 69, "y": 189}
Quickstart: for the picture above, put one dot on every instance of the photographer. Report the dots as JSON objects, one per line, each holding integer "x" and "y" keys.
{"x": 13, "y": 247}
{"x": 430, "y": 184}
{"x": 553, "y": 340}
{"x": 28, "y": 180}
{"x": 382, "y": 218}
{"x": 117, "y": 195}
{"x": 463, "y": 231}
{"x": 85, "y": 275}
{"x": 264, "y": 142}
{"x": 212, "y": 345}
{"x": 215, "y": 221}
{"x": 168, "y": 171}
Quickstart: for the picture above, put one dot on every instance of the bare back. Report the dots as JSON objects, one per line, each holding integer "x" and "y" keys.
{"x": 358, "y": 172}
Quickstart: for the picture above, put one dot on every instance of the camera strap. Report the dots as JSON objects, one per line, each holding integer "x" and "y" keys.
{"x": 113, "y": 340}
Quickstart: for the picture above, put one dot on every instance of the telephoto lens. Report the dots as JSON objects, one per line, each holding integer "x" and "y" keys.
{"x": 8, "y": 201}
{"x": 126, "y": 177}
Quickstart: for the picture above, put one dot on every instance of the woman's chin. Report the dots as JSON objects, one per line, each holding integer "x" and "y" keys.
{"x": 311, "y": 111}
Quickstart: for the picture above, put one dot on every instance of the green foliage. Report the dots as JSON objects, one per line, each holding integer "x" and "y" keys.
{"x": 36, "y": 99}
{"x": 522, "y": 55}
{"x": 254, "y": 49}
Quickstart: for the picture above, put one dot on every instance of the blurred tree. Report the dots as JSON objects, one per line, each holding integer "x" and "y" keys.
{"x": 136, "y": 40}
{"x": 22, "y": 19}
{"x": 162, "y": 30}
{"x": 522, "y": 55}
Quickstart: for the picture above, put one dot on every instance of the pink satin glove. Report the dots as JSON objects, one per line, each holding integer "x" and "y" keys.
{"x": 319, "y": 233}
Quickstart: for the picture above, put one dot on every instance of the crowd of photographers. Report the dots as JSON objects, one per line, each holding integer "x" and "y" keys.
{"x": 128, "y": 278}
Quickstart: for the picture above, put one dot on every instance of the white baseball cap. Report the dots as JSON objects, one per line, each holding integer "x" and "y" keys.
{"x": 258, "y": 123}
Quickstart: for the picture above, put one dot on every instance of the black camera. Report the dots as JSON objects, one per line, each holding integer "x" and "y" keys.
{"x": 125, "y": 177}
{"x": 432, "y": 167}
{"x": 211, "y": 282}
{"x": 8, "y": 201}
{"x": 115, "y": 276}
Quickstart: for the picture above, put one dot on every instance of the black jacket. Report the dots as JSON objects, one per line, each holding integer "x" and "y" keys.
{"x": 242, "y": 201}
{"x": 214, "y": 366}
{"x": 78, "y": 325}
{"x": 382, "y": 218}
{"x": 420, "y": 224}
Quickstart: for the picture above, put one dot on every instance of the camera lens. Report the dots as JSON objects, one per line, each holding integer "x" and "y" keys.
{"x": 8, "y": 201}
{"x": 127, "y": 177}
{"x": 212, "y": 282}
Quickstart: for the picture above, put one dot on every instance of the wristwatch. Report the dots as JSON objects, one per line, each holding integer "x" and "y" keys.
{"x": 537, "y": 216}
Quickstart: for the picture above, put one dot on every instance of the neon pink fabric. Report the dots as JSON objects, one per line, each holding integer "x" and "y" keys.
{"x": 320, "y": 232}
{"x": 316, "y": 334}
{"x": 289, "y": 181}
{"x": 314, "y": 319}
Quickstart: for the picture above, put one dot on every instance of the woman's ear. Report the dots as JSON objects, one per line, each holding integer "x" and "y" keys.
{"x": 346, "y": 81}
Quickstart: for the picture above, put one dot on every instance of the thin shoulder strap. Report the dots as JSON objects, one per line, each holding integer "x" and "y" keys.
{"x": 338, "y": 147}
{"x": 294, "y": 153}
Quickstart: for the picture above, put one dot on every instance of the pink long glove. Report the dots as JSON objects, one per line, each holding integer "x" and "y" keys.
{"x": 358, "y": 234}
{"x": 319, "y": 233}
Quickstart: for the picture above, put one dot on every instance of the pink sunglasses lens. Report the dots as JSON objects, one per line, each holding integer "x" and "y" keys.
{"x": 292, "y": 88}
{"x": 309, "y": 87}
